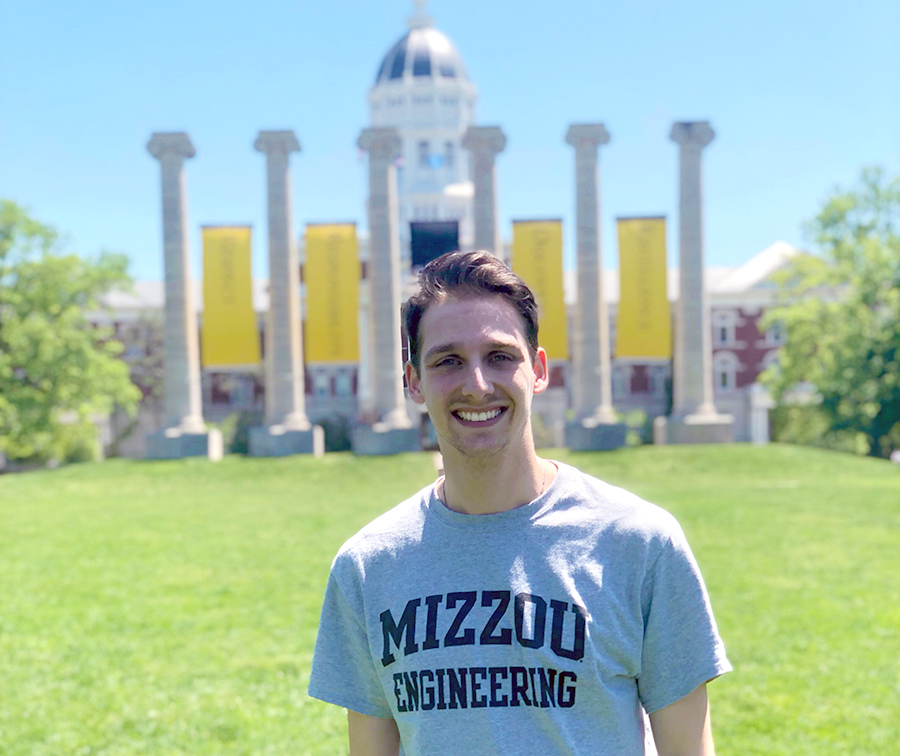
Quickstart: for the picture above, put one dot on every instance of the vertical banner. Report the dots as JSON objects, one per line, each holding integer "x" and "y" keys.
{"x": 230, "y": 335}
{"x": 537, "y": 260}
{"x": 644, "y": 327}
{"x": 331, "y": 275}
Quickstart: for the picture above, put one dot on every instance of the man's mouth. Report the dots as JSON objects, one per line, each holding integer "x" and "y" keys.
{"x": 484, "y": 416}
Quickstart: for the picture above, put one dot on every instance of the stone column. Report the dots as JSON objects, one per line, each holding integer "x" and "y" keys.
{"x": 393, "y": 431}
{"x": 287, "y": 429}
{"x": 694, "y": 418}
{"x": 595, "y": 425}
{"x": 185, "y": 433}
{"x": 484, "y": 142}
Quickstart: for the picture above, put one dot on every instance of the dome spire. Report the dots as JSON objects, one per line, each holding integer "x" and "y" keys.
{"x": 420, "y": 17}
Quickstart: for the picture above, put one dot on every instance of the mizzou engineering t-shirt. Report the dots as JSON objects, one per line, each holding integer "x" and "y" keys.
{"x": 542, "y": 630}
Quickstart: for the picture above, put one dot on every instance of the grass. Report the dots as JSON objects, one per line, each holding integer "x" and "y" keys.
{"x": 171, "y": 607}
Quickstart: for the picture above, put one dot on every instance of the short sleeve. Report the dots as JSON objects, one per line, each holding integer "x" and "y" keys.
{"x": 343, "y": 671}
{"x": 681, "y": 647}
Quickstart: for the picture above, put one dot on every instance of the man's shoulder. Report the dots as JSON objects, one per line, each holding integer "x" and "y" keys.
{"x": 602, "y": 504}
{"x": 391, "y": 531}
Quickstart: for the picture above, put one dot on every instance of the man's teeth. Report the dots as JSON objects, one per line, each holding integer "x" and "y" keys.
{"x": 479, "y": 417}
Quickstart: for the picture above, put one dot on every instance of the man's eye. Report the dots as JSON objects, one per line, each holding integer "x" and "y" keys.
{"x": 503, "y": 357}
{"x": 446, "y": 362}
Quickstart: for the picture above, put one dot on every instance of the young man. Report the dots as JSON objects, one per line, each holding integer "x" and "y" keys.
{"x": 515, "y": 606}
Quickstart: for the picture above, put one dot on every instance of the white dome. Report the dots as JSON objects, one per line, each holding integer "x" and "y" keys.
{"x": 423, "y": 90}
{"x": 422, "y": 53}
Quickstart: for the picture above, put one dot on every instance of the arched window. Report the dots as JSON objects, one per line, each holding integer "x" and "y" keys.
{"x": 770, "y": 359}
{"x": 725, "y": 366}
{"x": 723, "y": 328}
{"x": 775, "y": 334}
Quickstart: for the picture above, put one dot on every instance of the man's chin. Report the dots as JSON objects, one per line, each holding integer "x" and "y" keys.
{"x": 471, "y": 449}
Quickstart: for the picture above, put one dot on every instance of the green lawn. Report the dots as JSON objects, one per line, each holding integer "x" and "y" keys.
{"x": 171, "y": 607}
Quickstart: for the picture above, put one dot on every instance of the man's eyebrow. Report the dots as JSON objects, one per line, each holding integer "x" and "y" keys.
{"x": 441, "y": 349}
{"x": 505, "y": 345}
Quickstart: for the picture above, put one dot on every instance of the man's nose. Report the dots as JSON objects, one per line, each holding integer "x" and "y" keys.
{"x": 477, "y": 383}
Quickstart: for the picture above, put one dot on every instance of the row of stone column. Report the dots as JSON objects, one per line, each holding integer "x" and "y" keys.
{"x": 694, "y": 418}
{"x": 287, "y": 429}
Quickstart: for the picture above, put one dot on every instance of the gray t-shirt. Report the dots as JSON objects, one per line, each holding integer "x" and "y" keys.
{"x": 542, "y": 630}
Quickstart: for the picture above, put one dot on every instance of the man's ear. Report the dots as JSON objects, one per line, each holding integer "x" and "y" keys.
{"x": 541, "y": 371}
{"x": 413, "y": 384}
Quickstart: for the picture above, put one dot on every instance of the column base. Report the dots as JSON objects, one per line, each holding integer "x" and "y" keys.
{"x": 601, "y": 437}
{"x": 367, "y": 441}
{"x": 694, "y": 429}
{"x": 266, "y": 443}
{"x": 173, "y": 443}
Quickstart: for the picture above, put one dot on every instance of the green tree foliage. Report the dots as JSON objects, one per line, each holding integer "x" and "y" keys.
{"x": 841, "y": 314}
{"x": 57, "y": 370}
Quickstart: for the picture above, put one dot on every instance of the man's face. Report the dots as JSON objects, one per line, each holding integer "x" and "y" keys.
{"x": 476, "y": 376}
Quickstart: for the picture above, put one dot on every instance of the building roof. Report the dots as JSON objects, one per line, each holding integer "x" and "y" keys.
{"x": 749, "y": 283}
{"x": 420, "y": 54}
{"x": 756, "y": 272}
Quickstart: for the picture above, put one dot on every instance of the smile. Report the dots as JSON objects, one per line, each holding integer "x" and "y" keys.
{"x": 479, "y": 417}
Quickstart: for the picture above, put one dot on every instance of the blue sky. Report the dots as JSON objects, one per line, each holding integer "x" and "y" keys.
{"x": 801, "y": 94}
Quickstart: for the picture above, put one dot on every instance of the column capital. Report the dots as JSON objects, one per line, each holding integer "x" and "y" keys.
{"x": 587, "y": 135}
{"x": 276, "y": 141}
{"x": 698, "y": 133}
{"x": 380, "y": 142}
{"x": 488, "y": 138}
{"x": 164, "y": 144}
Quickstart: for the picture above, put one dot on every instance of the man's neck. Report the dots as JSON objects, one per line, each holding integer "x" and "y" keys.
{"x": 494, "y": 484}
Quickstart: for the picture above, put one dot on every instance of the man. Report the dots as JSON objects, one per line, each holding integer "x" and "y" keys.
{"x": 515, "y": 606}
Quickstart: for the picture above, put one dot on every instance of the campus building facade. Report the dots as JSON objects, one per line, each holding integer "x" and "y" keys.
{"x": 423, "y": 92}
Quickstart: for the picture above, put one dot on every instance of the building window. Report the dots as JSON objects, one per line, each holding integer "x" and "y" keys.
{"x": 658, "y": 375}
{"x": 448, "y": 154}
{"x": 775, "y": 334}
{"x": 423, "y": 154}
{"x": 621, "y": 380}
{"x": 725, "y": 365}
{"x": 343, "y": 383}
{"x": 132, "y": 353}
{"x": 770, "y": 359}
{"x": 723, "y": 328}
{"x": 321, "y": 384}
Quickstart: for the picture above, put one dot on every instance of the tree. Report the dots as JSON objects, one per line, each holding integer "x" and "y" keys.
{"x": 144, "y": 338}
{"x": 57, "y": 370}
{"x": 841, "y": 313}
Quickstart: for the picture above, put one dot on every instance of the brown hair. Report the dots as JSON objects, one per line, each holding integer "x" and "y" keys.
{"x": 469, "y": 273}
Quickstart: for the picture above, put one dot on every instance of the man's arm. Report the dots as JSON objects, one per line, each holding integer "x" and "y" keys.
{"x": 682, "y": 728}
{"x": 372, "y": 736}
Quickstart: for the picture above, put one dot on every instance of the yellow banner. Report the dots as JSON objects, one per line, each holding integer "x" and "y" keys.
{"x": 644, "y": 326}
{"x": 230, "y": 334}
{"x": 331, "y": 275}
{"x": 537, "y": 260}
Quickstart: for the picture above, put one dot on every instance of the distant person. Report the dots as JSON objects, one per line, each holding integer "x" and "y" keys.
{"x": 516, "y": 605}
